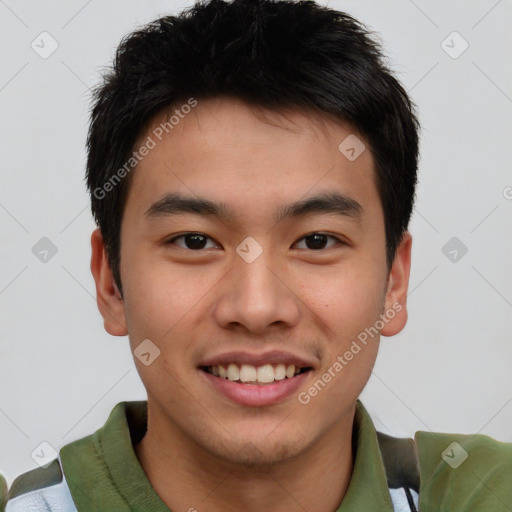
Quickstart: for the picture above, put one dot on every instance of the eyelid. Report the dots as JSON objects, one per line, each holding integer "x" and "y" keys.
{"x": 174, "y": 237}
{"x": 170, "y": 241}
{"x": 328, "y": 235}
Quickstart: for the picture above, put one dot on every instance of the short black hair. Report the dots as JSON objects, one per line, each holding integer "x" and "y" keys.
{"x": 274, "y": 54}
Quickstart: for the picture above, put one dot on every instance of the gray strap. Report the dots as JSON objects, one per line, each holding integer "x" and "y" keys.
{"x": 401, "y": 463}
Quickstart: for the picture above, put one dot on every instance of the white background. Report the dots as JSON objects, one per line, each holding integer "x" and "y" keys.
{"x": 448, "y": 371}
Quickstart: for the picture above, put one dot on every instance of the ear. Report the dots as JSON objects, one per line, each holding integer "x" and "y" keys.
{"x": 398, "y": 284}
{"x": 110, "y": 302}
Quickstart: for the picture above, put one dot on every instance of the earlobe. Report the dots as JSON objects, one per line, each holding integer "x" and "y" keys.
{"x": 396, "y": 294}
{"x": 110, "y": 302}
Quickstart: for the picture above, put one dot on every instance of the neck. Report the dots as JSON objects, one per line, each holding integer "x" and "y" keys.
{"x": 186, "y": 477}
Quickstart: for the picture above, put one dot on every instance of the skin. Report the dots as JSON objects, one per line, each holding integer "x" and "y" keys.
{"x": 201, "y": 449}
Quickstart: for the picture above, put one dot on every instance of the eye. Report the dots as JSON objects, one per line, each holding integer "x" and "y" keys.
{"x": 193, "y": 241}
{"x": 317, "y": 241}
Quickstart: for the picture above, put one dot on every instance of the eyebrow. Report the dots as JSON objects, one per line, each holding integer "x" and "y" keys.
{"x": 177, "y": 204}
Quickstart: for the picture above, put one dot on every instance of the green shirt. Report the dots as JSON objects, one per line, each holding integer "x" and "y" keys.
{"x": 103, "y": 472}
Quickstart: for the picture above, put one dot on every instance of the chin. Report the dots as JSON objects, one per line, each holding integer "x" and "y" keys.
{"x": 260, "y": 453}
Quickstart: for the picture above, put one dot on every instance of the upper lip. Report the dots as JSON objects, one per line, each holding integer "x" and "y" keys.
{"x": 269, "y": 357}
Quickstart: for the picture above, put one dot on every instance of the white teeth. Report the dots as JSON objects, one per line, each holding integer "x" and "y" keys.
{"x": 280, "y": 372}
{"x": 233, "y": 372}
{"x": 264, "y": 374}
{"x": 248, "y": 373}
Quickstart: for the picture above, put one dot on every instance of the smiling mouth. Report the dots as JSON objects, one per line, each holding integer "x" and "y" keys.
{"x": 261, "y": 375}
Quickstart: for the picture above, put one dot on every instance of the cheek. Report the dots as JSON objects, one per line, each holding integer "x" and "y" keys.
{"x": 162, "y": 297}
{"x": 157, "y": 306}
{"x": 347, "y": 299}
{"x": 347, "y": 304}
{"x": 349, "y": 308}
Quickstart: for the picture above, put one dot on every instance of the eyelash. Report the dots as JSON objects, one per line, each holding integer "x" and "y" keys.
{"x": 170, "y": 241}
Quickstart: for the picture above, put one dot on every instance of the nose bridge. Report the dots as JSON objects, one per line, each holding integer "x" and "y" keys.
{"x": 253, "y": 295}
{"x": 257, "y": 281}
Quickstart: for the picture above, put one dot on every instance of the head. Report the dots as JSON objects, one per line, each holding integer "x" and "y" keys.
{"x": 261, "y": 128}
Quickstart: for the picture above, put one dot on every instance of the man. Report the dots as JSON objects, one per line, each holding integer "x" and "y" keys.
{"x": 252, "y": 168}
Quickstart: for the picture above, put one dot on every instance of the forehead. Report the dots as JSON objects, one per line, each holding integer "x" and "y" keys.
{"x": 230, "y": 152}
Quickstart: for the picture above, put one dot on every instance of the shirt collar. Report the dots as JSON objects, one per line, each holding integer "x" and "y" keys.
{"x": 102, "y": 470}
{"x": 368, "y": 488}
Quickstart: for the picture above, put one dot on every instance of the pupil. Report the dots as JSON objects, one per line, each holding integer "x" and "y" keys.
{"x": 318, "y": 241}
{"x": 195, "y": 241}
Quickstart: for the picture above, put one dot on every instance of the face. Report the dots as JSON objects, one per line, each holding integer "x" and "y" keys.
{"x": 250, "y": 244}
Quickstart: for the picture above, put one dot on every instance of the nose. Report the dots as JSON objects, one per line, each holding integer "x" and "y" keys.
{"x": 257, "y": 296}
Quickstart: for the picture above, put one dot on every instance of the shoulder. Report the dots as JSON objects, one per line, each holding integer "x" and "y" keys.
{"x": 3, "y": 493}
{"x": 450, "y": 471}
{"x": 41, "y": 489}
{"x": 465, "y": 472}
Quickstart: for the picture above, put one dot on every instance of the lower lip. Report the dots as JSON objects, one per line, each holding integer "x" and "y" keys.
{"x": 257, "y": 395}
